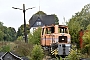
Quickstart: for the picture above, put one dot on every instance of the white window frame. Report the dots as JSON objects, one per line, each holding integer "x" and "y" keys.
{"x": 38, "y": 23}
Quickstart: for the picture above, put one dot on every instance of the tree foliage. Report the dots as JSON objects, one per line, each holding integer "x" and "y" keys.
{"x": 20, "y": 31}
{"x": 86, "y": 41}
{"x": 11, "y": 34}
{"x": 74, "y": 28}
{"x": 40, "y": 13}
{"x": 35, "y": 36}
{"x": 1, "y": 31}
{"x": 79, "y": 21}
{"x": 7, "y": 33}
{"x": 20, "y": 38}
{"x": 1, "y": 35}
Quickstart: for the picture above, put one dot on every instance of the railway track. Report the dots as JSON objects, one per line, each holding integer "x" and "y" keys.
{"x": 10, "y": 56}
{"x": 50, "y": 58}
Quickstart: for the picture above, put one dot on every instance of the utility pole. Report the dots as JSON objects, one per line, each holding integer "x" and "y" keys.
{"x": 24, "y": 10}
{"x": 25, "y": 33}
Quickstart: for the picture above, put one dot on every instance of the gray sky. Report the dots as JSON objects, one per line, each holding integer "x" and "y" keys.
{"x": 62, "y": 8}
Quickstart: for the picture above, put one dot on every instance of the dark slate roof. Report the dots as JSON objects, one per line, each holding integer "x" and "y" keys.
{"x": 46, "y": 19}
{"x": 25, "y": 58}
{"x": 10, "y": 56}
{"x": 1, "y": 53}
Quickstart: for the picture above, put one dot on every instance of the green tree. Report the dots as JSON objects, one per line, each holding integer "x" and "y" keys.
{"x": 85, "y": 16}
{"x": 40, "y": 12}
{"x": 1, "y": 35}
{"x": 79, "y": 21}
{"x": 88, "y": 27}
{"x": 12, "y": 33}
{"x": 20, "y": 31}
{"x": 1, "y": 26}
{"x": 37, "y": 53}
{"x": 74, "y": 28}
{"x": 86, "y": 40}
{"x": 9, "y": 33}
{"x": 20, "y": 38}
{"x": 1, "y": 31}
{"x": 35, "y": 36}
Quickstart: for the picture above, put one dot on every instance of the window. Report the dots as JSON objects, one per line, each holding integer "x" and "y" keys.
{"x": 63, "y": 30}
{"x": 38, "y": 23}
{"x": 50, "y": 30}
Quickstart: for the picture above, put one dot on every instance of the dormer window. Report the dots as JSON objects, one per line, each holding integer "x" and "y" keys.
{"x": 38, "y": 23}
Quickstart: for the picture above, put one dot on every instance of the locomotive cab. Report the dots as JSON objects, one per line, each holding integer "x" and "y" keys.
{"x": 56, "y": 39}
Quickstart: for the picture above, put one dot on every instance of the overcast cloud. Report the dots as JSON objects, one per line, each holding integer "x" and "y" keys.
{"x": 62, "y": 8}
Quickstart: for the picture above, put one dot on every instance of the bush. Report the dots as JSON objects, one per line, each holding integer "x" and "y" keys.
{"x": 22, "y": 48}
{"x": 37, "y": 53}
{"x": 74, "y": 54}
{"x": 5, "y": 48}
{"x": 20, "y": 38}
{"x": 34, "y": 38}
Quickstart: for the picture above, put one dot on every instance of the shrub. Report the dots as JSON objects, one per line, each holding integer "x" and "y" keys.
{"x": 5, "y": 48}
{"x": 74, "y": 54}
{"x": 20, "y": 38}
{"x": 34, "y": 38}
{"x": 22, "y": 48}
{"x": 37, "y": 53}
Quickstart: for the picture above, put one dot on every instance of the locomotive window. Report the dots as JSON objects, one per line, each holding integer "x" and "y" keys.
{"x": 42, "y": 31}
{"x": 50, "y": 30}
{"x": 66, "y": 31}
{"x": 46, "y": 32}
{"x": 63, "y": 30}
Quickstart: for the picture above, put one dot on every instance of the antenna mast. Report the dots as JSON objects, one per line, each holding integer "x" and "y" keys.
{"x": 39, "y": 7}
{"x": 64, "y": 23}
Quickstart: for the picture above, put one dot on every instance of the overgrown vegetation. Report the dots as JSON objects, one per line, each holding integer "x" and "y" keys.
{"x": 34, "y": 37}
{"x": 86, "y": 41}
{"x": 75, "y": 54}
{"x": 81, "y": 20}
{"x": 37, "y": 53}
{"x": 5, "y": 48}
{"x": 7, "y": 33}
{"x": 25, "y": 49}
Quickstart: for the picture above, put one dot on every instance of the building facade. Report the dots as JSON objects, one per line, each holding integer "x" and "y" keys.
{"x": 41, "y": 20}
